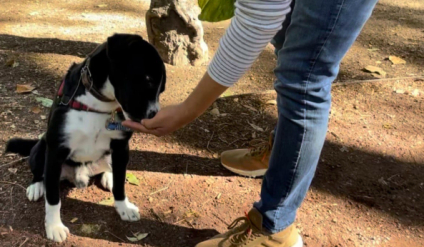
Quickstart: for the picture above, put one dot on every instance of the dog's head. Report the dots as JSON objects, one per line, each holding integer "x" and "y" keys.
{"x": 137, "y": 74}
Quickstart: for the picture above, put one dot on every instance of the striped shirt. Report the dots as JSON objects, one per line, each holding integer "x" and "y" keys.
{"x": 254, "y": 24}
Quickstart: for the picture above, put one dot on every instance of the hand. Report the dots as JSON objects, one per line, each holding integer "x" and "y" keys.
{"x": 166, "y": 121}
{"x": 171, "y": 118}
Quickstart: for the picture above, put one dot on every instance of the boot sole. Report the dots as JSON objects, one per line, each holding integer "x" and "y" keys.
{"x": 299, "y": 242}
{"x": 252, "y": 174}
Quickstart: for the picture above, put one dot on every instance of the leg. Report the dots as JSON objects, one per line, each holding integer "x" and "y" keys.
{"x": 317, "y": 38}
{"x": 120, "y": 156}
{"x": 54, "y": 227}
{"x": 36, "y": 162}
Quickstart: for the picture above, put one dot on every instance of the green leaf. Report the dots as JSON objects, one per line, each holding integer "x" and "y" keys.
{"x": 44, "y": 101}
{"x": 107, "y": 202}
{"x": 216, "y": 10}
{"x": 90, "y": 228}
{"x": 137, "y": 237}
{"x": 132, "y": 179}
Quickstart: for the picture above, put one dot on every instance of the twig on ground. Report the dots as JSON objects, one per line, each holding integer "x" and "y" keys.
{"x": 156, "y": 215}
{"x": 5, "y": 182}
{"x": 26, "y": 239}
{"x": 220, "y": 219}
{"x": 164, "y": 188}
{"x": 115, "y": 236}
{"x": 14, "y": 162}
{"x": 207, "y": 147}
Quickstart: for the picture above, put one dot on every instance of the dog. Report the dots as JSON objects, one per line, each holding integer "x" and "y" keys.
{"x": 121, "y": 79}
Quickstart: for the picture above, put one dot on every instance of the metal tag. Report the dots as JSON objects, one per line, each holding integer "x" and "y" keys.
{"x": 112, "y": 124}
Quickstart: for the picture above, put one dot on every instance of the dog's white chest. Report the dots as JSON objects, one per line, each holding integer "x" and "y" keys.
{"x": 87, "y": 137}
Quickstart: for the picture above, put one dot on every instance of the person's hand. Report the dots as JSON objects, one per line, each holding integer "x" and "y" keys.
{"x": 166, "y": 121}
{"x": 173, "y": 117}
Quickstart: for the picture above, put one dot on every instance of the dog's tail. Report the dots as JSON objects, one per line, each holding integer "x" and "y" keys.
{"x": 20, "y": 146}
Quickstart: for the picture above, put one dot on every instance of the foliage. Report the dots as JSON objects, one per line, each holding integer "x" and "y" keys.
{"x": 216, "y": 10}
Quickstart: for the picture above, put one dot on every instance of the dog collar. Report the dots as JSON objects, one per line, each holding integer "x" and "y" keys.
{"x": 75, "y": 104}
{"x": 87, "y": 81}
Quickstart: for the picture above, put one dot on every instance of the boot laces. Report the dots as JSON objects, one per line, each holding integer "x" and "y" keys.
{"x": 245, "y": 232}
{"x": 259, "y": 148}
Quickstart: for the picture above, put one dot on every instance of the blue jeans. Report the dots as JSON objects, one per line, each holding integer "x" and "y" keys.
{"x": 310, "y": 47}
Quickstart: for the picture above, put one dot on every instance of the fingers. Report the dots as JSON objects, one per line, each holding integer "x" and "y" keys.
{"x": 141, "y": 128}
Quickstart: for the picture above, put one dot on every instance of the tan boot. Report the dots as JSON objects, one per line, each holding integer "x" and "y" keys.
{"x": 249, "y": 162}
{"x": 250, "y": 234}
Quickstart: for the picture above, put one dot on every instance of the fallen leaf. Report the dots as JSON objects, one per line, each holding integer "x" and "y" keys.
{"x": 251, "y": 108}
{"x": 12, "y": 63}
{"x": 271, "y": 102}
{"x": 12, "y": 126}
{"x": 344, "y": 149}
{"x": 36, "y": 109}
{"x": 415, "y": 93}
{"x": 235, "y": 99}
{"x": 102, "y": 5}
{"x": 41, "y": 135}
{"x": 396, "y": 60}
{"x": 74, "y": 220}
{"x": 387, "y": 126}
{"x": 44, "y": 101}
{"x": 132, "y": 179}
{"x": 107, "y": 202}
{"x": 382, "y": 181}
{"x": 90, "y": 228}
{"x": 13, "y": 170}
{"x": 400, "y": 91}
{"x": 36, "y": 121}
{"x": 43, "y": 117}
{"x": 373, "y": 49}
{"x": 218, "y": 196}
{"x": 215, "y": 112}
{"x": 375, "y": 71}
{"x": 24, "y": 88}
{"x": 256, "y": 127}
{"x": 137, "y": 237}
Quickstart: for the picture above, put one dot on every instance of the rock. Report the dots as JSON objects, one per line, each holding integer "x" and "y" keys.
{"x": 375, "y": 71}
{"x": 396, "y": 60}
{"x": 174, "y": 29}
{"x": 215, "y": 112}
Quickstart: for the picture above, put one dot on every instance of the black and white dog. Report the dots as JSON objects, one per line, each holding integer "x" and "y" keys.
{"x": 121, "y": 79}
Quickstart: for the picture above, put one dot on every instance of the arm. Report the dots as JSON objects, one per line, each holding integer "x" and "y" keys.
{"x": 252, "y": 28}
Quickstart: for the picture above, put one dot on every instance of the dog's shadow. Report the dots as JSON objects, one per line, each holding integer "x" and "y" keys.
{"x": 101, "y": 222}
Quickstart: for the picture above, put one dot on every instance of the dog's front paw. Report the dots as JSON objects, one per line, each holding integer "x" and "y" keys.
{"x": 127, "y": 210}
{"x": 57, "y": 232}
{"x": 107, "y": 180}
{"x": 35, "y": 191}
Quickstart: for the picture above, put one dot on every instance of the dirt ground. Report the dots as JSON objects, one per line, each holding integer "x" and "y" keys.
{"x": 368, "y": 189}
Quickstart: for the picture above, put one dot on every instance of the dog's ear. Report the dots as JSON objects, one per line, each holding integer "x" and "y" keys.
{"x": 120, "y": 46}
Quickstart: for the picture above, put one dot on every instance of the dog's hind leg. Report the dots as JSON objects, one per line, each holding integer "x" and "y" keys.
{"x": 55, "y": 229}
{"x": 36, "y": 162}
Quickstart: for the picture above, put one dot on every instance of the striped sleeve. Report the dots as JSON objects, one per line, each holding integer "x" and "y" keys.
{"x": 254, "y": 24}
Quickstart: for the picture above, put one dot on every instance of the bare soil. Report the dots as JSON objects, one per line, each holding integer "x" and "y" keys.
{"x": 368, "y": 189}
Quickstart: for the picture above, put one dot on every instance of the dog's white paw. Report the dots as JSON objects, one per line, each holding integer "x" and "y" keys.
{"x": 35, "y": 191}
{"x": 82, "y": 177}
{"x": 57, "y": 232}
{"x": 127, "y": 210}
{"x": 107, "y": 180}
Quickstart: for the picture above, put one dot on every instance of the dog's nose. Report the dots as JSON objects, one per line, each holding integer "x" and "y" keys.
{"x": 152, "y": 114}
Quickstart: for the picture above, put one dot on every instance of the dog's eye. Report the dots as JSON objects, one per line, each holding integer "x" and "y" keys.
{"x": 148, "y": 78}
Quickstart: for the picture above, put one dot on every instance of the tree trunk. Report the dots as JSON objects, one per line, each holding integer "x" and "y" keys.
{"x": 174, "y": 29}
